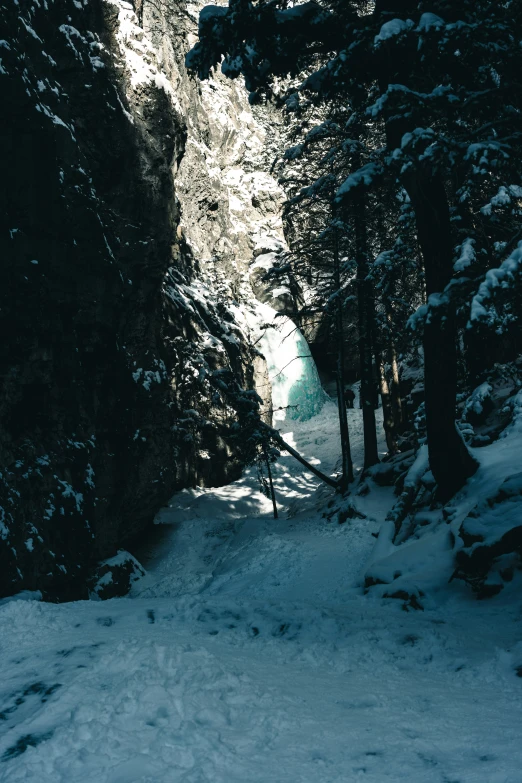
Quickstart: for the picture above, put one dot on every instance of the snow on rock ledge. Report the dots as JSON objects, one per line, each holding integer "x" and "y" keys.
{"x": 137, "y": 52}
{"x": 229, "y": 201}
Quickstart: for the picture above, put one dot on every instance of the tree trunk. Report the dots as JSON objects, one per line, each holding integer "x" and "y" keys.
{"x": 395, "y": 387}
{"x": 396, "y": 399}
{"x": 286, "y": 447}
{"x": 347, "y": 465}
{"x": 389, "y": 422}
{"x": 366, "y": 318}
{"x": 450, "y": 461}
{"x": 270, "y": 481}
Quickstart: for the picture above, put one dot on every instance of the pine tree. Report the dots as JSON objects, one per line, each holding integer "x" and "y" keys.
{"x": 442, "y": 82}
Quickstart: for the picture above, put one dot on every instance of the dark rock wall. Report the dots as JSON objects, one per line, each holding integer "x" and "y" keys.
{"x": 104, "y": 406}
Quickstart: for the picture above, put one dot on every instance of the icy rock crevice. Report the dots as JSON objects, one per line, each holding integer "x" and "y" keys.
{"x": 230, "y": 204}
{"x": 231, "y": 208}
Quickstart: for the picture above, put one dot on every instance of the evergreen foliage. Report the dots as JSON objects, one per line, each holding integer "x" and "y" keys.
{"x": 412, "y": 171}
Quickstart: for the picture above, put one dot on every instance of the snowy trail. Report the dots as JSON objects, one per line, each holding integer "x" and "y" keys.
{"x": 249, "y": 654}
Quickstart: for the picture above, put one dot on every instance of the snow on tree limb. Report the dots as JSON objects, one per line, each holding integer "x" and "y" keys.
{"x": 502, "y": 277}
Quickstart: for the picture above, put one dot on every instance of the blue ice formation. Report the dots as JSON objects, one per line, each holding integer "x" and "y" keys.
{"x": 296, "y": 389}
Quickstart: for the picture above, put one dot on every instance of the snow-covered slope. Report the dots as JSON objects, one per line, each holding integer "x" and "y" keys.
{"x": 250, "y": 653}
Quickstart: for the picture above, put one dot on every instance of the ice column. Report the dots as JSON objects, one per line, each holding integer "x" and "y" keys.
{"x": 296, "y": 389}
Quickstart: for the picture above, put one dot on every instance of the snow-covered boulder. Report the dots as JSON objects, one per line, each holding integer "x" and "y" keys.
{"x": 492, "y": 536}
{"x": 114, "y": 577}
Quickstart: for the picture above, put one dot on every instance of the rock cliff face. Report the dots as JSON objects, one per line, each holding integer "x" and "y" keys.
{"x": 230, "y": 205}
{"x": 131, "y": 210}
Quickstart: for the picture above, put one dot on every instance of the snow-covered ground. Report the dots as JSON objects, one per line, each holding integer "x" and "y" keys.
{"x": 249, "y": 654}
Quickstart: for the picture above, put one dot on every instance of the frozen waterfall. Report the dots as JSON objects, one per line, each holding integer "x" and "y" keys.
{"x": 296, "y": 389}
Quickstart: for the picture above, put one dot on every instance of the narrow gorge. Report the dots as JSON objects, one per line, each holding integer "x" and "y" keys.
{"x": 138, "y": 214}
{"x": 260, "y": 391}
